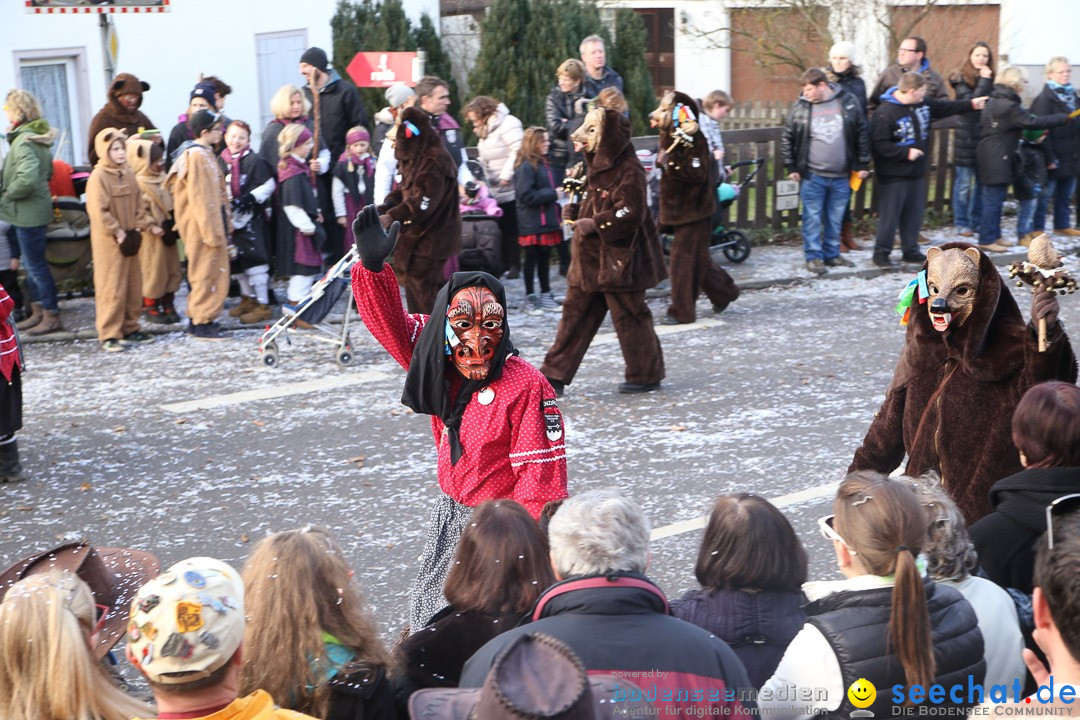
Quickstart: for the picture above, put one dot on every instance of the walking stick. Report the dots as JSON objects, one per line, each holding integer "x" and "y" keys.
{"x": 1043, "y": 270}
{"x": 315, "y": 120}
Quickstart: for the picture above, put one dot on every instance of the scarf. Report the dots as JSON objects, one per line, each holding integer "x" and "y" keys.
{"x": 1065, "y": 93}
{"x": 233, "y": 163}
{"x": 365, "y": 162}
{"x": 427, "y": 387}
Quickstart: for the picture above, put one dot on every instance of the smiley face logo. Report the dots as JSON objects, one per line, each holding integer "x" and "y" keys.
{"x": 862, "y": 693}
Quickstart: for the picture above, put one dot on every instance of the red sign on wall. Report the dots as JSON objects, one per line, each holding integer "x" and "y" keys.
{"x": 383, "y": 69}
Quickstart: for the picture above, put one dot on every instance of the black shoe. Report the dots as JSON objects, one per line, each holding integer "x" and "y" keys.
{"x": 883, "y": 261}
{"x": 512, "y": 274}
{"x": 136, "y": 337}
{"x": 209, "y": 332}
{"x": 556, "y": 385}
{"x": 10, "y": 468}
{"x": 635, "y": 388}
{"x": 670, "y": 320}
{"x": 915, "y": 257}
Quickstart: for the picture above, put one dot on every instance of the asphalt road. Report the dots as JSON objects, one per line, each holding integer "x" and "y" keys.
{"x": 772, "y": 397}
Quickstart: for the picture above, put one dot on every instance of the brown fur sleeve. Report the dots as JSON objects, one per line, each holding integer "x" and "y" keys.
{"x": 883, "y": 447}
{"x": 625, "y": 211}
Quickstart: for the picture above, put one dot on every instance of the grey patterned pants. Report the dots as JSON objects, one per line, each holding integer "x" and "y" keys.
{"x": 448, "y": 519}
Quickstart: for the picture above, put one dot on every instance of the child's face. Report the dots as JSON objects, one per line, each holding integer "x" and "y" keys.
{"x": 360, "y": 147}
{"x": 117, "y": 152}
{"x": 305, "y": 149}
{"x": 544, "y": 144}
{"x": 236, "y": 139}
{"x": 718, "y": 111}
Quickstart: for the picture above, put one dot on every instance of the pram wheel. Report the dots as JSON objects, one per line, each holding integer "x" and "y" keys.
{"x": 736, "y": 246}
{"x": 344, "y": 356}
{"x": 270, "y": 354}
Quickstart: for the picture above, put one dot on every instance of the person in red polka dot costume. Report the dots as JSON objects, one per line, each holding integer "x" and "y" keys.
{"x": 494, "y": 418}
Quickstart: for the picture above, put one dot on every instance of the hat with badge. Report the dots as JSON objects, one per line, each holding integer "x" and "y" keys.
{"x": 113, "y": 575}
{"x": 189, "y": 620}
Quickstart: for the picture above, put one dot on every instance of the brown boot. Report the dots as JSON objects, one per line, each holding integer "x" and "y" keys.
{"x": 847, "y": 239}
{"x": 36, "y": 314}
{"x": 258, "y": 313}
{"x": 247, "y": 304}
{"x": 50, "y": 323}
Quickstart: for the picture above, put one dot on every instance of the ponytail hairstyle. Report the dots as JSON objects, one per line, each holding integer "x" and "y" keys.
{"x": 884, "y": 523}
{"x": 530, "y": 148}
{"x": 47, "y": 669}
{"x": 287, "y": 142}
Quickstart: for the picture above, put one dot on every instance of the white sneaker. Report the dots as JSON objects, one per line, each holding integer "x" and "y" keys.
{"x": 549, "y": 302}
{"x": 531, "y": 306}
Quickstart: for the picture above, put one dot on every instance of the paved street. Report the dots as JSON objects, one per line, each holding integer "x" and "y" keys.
{"x": 151, "y": 448}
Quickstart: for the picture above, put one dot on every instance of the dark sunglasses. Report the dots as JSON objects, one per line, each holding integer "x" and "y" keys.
{"x": 1063, "y": 505}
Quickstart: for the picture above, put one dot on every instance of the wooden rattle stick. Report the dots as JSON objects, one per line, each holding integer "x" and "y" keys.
{"x": 1042, "y": 334}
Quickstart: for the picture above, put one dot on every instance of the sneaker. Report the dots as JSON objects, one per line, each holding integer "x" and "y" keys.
{"x": 838, "y": 261}
{"x": 112, "y": 345}
{"x": 531, "y": 306}
{"x": 816, "y": 266}
{"x": 1068, "y": 232}
{"x": 208, "y": 332}
{"x": 136, "y": 337}
{"x": 915, "y": 257}
{"x": 550, "y": 302}
{"x": 882, "y": 261}
{"x": 171, "y": 316}
{"x": 154, "y": 314}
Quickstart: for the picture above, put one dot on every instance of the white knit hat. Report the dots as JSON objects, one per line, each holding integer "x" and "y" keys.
{"x": 844, "y": 48}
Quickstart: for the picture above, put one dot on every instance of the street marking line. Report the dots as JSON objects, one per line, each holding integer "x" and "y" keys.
{"x": 661, "y": 330}
{"x": 278, "y": 391}
{"x": 794, "y": 498}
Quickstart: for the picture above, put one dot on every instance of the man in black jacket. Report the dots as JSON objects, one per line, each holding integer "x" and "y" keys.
{"x": 617, "y": 620}
{"x": 825, "y": 140}
{"x": 899, "y": 139}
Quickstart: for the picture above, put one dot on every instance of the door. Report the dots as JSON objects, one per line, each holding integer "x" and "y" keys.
{"x": 52, "y": 82}
{"x": 278, "y": 57}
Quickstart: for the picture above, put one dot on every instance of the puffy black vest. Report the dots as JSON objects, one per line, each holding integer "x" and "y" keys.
{"x": 856, "y": 625}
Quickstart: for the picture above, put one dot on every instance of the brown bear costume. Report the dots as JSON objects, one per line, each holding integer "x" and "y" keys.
{"x": 115, "y": 115}
{"x": 616, "y": 256}
{"x": 952, "y": 397}
{"x": 426, "y": 205}
{"x": 687, "y": 204}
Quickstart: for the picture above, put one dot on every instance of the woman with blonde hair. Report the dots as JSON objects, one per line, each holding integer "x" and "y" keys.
{"x": 884, "y": 622}
{"x": 48, "y": 623}
{"x": 1059, "y": 97}
{"x": 309, "y": 641}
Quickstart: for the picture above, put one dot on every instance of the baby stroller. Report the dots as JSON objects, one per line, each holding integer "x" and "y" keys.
{"x": 67, "y": 246}
{"x": 313, "y": 309}
{"x": 734, "y": 243}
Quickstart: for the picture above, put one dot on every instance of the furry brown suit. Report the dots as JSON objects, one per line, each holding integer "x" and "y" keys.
{"x": 953, "y": 394}
{"x": 426, "y": 205}
{"x": 687, "y": 203}
{"x": 614, "y": 264}
{"x": 115, "y": 115}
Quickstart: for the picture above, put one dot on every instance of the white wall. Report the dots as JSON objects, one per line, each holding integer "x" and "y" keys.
{"x": 169, "y": 50}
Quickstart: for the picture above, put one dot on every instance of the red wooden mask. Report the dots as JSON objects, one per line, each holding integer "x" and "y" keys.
{"x": 476, "y": 318}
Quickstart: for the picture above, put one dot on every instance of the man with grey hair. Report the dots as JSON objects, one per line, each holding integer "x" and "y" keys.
{"x": 617, "y": 620}
{"x": 597, "y": 74}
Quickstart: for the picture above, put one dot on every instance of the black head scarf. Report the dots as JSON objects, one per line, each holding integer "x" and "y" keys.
{"x": 427, "y": 387}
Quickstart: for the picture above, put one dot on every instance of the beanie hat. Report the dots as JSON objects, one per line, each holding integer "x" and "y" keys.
{"x": 844, "y": 48}
{"x": 356, "y": 135}
{"x": 206, "y": 91}
{"x": 316, "y": 57}
{"x": 202, "y": 120}
{"x": 1034, "y": 135}
{"x": 189, "y": 619}
{"x": 396, "y": 95}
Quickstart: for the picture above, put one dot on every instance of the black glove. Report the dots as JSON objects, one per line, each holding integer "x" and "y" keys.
{"x": 130, "y": 246}
{"x": 372, "y": 242}
{"x": 244, "y": 203}
{"x": 170, "y": 235}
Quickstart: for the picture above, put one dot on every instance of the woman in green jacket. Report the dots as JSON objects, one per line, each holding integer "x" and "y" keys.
{"x": 26, "y": 203}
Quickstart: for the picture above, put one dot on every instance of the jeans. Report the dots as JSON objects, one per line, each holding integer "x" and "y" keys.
{"x": 1025, "y": 213}
{"x": 993, "y": 200}
{"x": 1061, "y": 189}
{"x": 823, "y": 199}
{"x": 966, "y": 198}
{"x": 38, "y": 276}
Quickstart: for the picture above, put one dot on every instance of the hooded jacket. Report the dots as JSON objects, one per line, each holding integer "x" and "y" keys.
{"x": 620, "y": 624}
{"x": 497, "y": 151}
{"x": 896, "y": 128}
{"x": 1007, "y": 539}
{"x": 795, "y": 142}
{"x": 115, "y": 115}
{"x": 426, "y": 200}
{"x": 340, "y": 108}
{"x": 202, "y": 204}
{"x": 936, "y": 89}
{"x": 1064, "y": 142}
{"x": 113, "y": 199}
{"x": 156, "y": 200}
{"x": 1003, "y": 120}
{"x": 686, "y": 195}
{"x": 967, "y": 127}
{"x": 25, "y": 200}
{"x": 943, "y": 380}
{"x": 624, "y": 253}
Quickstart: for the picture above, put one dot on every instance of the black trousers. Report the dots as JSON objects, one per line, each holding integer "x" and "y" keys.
{"x": 901, "y": 205}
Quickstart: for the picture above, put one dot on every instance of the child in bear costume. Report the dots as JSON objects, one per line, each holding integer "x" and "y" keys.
{"x": 426, "y": 205}
{"x": 615, "y": 257}
{"x": 687, "y": 203}
{"x": 968, "y": 359}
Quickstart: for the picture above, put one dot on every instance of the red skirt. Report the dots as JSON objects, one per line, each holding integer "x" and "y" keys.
{"x": 546, "y": 239}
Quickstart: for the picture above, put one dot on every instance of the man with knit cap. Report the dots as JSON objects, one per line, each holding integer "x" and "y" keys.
{"x": 398, "y": 97}
{"x": 185, "y": 635}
